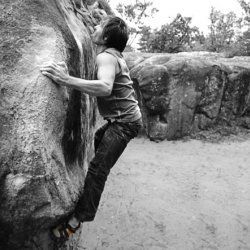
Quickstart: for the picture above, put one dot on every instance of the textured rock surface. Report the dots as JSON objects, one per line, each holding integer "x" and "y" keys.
{"x": 188, "y": 92}
{"x": 45, "y": 130}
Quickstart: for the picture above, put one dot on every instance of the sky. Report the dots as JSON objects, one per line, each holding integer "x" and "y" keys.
{"x": 199, "y": 10}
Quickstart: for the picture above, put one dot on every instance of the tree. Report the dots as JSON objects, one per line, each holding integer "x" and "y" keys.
{"x": 223, "y": 30}
{"x": 243, "y": 44}
{"x": 244, "y": 40}
{"x": 135, "y": 15}
{"x": 177, "y": 36}
{"x": 146, "y": 35}
{"x": 246, "y": 7}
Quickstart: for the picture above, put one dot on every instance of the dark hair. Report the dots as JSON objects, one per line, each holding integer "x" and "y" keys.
{"x": 115, "y": 32}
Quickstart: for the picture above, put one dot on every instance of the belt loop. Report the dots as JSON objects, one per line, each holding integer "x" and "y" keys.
{"x": 112, "y": 120}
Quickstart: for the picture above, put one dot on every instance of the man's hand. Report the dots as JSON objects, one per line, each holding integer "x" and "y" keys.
{"x": 102, "y": 86}
{"x": 58, "y": 72}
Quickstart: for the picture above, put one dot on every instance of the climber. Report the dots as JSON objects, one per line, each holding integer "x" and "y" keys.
{"x": 117, "y": 105}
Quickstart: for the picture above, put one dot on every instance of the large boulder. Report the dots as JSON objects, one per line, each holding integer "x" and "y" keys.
{"x": 46, "y": 130}
{"x": 188, "y": 92}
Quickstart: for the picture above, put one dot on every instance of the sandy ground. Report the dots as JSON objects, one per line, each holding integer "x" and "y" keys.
{"x": 182, "y": 195}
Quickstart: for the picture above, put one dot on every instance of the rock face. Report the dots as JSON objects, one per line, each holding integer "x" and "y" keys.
{"x": 187, "y": 92}
{"x": 45, "y": 130}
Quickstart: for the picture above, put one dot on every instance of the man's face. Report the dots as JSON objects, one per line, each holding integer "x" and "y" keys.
{"x": 97, "y": 36}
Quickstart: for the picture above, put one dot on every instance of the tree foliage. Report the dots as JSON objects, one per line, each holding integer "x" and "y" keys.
{"x": 246, "y": 8}
{"x": 244, "y": 39}
{"x": 223, "y": 30}
{"x": 135, "y": 14}
{"x": 177, "y": 36}
{"x": 227, "y": 32}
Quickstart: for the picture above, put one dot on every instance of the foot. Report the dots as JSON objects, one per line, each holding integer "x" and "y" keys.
{"x": 64, "y": 231}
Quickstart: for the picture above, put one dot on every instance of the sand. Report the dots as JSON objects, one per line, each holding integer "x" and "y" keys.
{"x": 176, "y": 195}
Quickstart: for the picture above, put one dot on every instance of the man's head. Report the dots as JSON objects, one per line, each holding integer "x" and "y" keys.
{"x": 112, "y": 32}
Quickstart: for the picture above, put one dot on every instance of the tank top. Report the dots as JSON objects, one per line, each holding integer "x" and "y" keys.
{"x": 121, "y": 105}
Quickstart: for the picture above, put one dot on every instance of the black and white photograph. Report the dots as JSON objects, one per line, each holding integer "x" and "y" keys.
{"x": 124, "y": 125}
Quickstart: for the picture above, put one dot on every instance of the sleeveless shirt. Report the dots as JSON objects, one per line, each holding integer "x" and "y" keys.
{"x": 121, "y": 105}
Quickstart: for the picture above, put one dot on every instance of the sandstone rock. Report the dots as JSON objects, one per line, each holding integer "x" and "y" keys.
{"x": 187, "y": 92}
{"x": 45, "y": 130}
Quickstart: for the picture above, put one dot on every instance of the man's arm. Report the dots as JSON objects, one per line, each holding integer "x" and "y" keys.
{"x": 106, "y": 70}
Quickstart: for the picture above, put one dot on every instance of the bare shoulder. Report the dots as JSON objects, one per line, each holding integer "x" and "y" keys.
{"x": 105, "y": 58}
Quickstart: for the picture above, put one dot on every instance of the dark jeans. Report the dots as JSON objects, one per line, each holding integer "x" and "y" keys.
{"x": 110, "y": 141}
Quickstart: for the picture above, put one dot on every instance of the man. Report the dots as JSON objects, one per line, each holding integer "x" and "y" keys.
{"x": 116, "y": 103}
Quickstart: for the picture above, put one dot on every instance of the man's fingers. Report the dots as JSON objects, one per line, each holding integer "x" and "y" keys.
{"x": 55, "y": 72}
{"x": 50, "y": 65}
{"x": 63, "y": 64}
{"x": 54, "y": 66}
{"x": 46, "y": 73}
{"x": 48, "y": 69}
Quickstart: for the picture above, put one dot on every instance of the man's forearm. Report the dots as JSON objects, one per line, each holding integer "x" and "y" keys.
{"x": 59, "y": 74}
{"x": 91, "y": 87}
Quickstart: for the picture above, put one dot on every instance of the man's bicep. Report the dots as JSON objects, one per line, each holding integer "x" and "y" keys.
{"x": 106, "y": 73}
{"x": 106, "y": 68}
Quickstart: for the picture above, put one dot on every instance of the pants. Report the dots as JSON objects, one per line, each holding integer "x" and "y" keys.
{"x": 110, "y": 141}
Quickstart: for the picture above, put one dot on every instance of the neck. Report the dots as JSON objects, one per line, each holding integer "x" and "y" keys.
{"x": 100, "y": 48}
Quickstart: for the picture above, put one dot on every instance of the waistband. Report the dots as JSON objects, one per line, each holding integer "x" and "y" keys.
{"x": 112, "y": 120}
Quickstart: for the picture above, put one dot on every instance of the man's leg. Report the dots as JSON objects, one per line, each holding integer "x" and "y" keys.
{"x": 63, "y": 231}
{"x": 110, "y": 141}
{"x": 110, "y": 148}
